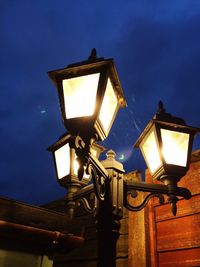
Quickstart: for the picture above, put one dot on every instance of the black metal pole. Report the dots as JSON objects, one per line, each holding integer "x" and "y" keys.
{"x": 107, "y": 226}
{"x": 107, "y": 235}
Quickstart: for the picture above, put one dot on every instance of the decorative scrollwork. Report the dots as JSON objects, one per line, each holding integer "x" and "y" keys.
{"x": 98, "y": 180}
{"x": 134, "y": 194}
{"x": 184, "y": 192}
{"x": 87, "y": 205}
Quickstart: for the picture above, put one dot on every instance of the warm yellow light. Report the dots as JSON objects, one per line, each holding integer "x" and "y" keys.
{"x": 80, "y": 95}
{"x": 150, "y": 151}
{"x": 62, "y": 157}
{"x": 108, "y": 107}
{"x": 94, "y": 152}
{"x": 175, "y": 147}
{"x": 76, "y": 164}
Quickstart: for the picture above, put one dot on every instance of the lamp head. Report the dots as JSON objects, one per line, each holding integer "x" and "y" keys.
{"x": 66, "y": 160}
{"x": 90, "y": 96}
{"x": 166, "y": 145}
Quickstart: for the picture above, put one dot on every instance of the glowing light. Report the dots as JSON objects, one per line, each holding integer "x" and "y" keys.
{"x": 62, "y": 156}
{"x": 76, "y": 166}
{"x": 125, "y": 154}
{"x": 151, "y": 153}
{"x": 122, "y": 157}
{"x": 80, "y": 95}
{"x": 108, "y": 107}
{"x": 175, "y": 147}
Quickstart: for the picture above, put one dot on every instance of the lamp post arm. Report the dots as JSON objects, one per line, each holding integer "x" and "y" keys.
{"x": 146, "y": 187}
{"x": 132, "y": 188}
{"x": 154, "y": 190}
{"x": 144, "y": 202}
{"x": 83, "y": 192}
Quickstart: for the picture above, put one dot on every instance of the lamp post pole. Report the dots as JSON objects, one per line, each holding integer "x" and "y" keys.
{"x": 109, "y": 212}
{"x": 107, "y": 227}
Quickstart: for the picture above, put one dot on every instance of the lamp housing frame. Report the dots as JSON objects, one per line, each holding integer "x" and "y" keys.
{"x": 88, "y": 126}
{"x": 166, "y": 172}
{"x": 71, "y": 178}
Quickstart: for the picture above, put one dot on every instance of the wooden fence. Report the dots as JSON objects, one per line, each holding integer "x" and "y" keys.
{"x": 175, "y": 241}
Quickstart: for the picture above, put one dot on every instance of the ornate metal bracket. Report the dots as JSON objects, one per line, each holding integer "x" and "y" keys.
{"x": 94, "y": 168}
{"x": 99, "y": 176}
{"x": 134, "y": 194}
{"x": 156, "y": 190}
{"x": 86, "y": 205}
{"x": 81, "y": 197}
{"x": 102, "y": 184}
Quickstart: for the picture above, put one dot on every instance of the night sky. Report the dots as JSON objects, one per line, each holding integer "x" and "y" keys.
{"x": 156, "y": 48}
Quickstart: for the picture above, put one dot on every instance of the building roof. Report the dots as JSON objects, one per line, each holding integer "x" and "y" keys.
{"x": 24, "y": 226}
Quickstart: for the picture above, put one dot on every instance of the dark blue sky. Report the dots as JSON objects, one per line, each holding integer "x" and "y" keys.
{"x": 156, "y": 47}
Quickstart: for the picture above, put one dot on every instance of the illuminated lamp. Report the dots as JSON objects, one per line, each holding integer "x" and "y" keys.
{"x": 166, "y": 145}
{"x": 90, "y": 95}
{"x": 66, "y": 163}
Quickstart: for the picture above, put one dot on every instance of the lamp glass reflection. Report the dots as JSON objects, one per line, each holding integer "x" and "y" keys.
{"x": 76, "y": 166}
{"x": 62, "y": 157}
{"x": 80, "y": 95}
{"x": 108, "y": 107}
{"x": 150, "y": 151}
{"x": 175, "y": 147}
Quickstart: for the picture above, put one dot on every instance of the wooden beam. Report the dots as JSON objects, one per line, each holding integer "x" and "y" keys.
{"x": 21, "y": 213}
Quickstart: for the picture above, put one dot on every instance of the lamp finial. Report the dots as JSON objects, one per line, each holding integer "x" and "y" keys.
{"x": 93, "y": 54}
{"x": 161, "y": 108}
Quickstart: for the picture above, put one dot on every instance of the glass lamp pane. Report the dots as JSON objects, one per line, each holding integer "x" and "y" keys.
{"x": 150, "y": 151}
{"x": 76, "y": 166}
{"x": 175, "y": 147}
{"x": 108, "y": 107}
{"x": 80, "y": 95}
{"x": 62, "y": 157}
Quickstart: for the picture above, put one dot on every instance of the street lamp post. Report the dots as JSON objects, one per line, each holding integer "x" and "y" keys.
{"x": 90, "y": 95}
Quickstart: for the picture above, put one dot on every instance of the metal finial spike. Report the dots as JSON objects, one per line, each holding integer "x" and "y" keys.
{"x": 93, "y": 54}
{"x": 174, "y": 208}
{"x": 161, "y": 108}
{"x": 173, "y": 200}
